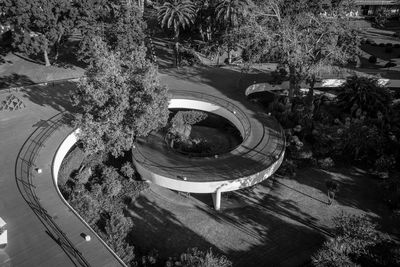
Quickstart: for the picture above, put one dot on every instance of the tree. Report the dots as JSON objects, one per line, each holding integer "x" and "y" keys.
{"x": 117, "y": 228}
{"x": 119, "y": 24}
{"x": 303, "y": 41}
{"x": 39, "y": 25}
{"x": 176, "y": 14}
{"x": 121, "y": 99}
{"x": 365, "y": 94}
{"x": 354, "y": 237}
{"x": 230, "y": 13}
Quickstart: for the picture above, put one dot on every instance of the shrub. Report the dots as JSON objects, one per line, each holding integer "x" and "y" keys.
{"x": 372, "y": 59}
{"x": 384, "y": 163}
{"x": 365, "y": 94}
{"x": 128, "y": 170}
{"x": 83, "y": 176}
{"x": 388, "y": 49}
{"x": 381, "y": 45}
{"x": 389, "y": 45}
{"x": 197, "y": 258}
{"x": 354, "y": 237}
{"x": 188, "y": 57}
{"x": 396, "y": 46}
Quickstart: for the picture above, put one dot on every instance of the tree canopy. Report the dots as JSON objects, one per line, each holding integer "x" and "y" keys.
{"x": 301, "y": 39}
{"x": 121, "y": 99}
{"x": 39, "y": 25}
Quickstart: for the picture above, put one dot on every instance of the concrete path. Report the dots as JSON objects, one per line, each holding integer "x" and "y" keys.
{"x": 41, "y": 230}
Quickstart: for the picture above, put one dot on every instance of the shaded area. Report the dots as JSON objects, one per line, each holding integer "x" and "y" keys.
{"x": 14, "y": 80}
{"x": 56, "y": 95}
{"x": 269, "y": 234}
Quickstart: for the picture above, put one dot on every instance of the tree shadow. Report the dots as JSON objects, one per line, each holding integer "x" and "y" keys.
{"x": 160, "y": 229}
{"x": 56, "y": 96}
{"x": 14, "y": 80}
{"x": 357, "y": 190}
{"x": 258, "y": 235}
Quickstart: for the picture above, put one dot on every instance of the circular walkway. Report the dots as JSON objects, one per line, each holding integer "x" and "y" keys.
{"x": 254, "y": 160}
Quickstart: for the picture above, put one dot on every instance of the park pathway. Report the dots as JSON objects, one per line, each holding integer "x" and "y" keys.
{"x": 41, "y": 229}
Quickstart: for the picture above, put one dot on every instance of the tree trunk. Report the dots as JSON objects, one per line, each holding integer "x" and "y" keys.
{"x": 229, "y": 56}
{"x": 57, "y": 47}
{"x": 177, "y": 49}
{"x": 310, "y": 95}
{"x": 46, "y": 58}
{"x": 292, "y": 82}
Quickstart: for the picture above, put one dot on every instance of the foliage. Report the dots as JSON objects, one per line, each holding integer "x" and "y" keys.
{"x": 354, "y": 236}
{"x": 116, "y": 230}
{"x": 230, "y": 12}
{"x": 197, "y": 258}
{"x": 176, "y": 14}
{"x": 304, "y": 42}
{"x": 120, "y": 26}
{"x": 366, "y": 94}
{"x": 128, "y": 170}
{"x": 83, "y": 176}
{"x": 121, "y": 98}
{"x": 86, "y": 205}
{"x": 110, "y": 182}
{"x": 188, "y": 117}
{"x": 39, "y": 25}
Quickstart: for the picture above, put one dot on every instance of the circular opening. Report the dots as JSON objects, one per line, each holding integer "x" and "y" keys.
{"x": 197, "y": 133}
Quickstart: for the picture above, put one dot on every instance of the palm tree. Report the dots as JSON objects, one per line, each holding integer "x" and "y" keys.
{"x": 230, "y": 12}
{"x": 176, "y": 14}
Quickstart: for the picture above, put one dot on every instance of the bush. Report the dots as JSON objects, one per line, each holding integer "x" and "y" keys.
{"x": 381, "y": 45}
{"x": 83, "y": 176}
{"x": 365, "y": 94}
{"x": 354, "y": 237}
{"x": 188, "y": 57}
{"x": 389, "y": 45}
{"x": 372, "y": 59}
{"x": 128, "y": 170}
{"x": 396, "y": 46}
{"x": 197, "y": 258}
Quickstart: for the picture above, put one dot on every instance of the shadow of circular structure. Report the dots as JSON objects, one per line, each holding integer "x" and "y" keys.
{"x": 254, "y": 160}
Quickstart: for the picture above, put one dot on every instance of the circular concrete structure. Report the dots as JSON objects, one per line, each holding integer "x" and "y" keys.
{"x": 255, "y": 159}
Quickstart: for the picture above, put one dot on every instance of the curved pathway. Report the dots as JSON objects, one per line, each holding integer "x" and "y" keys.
{"x": 41, "y": 229}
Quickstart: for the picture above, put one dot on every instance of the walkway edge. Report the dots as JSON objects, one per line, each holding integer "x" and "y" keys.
{"x": 66, "y": 144}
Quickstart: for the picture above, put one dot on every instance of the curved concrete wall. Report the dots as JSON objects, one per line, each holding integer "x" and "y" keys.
{"x": 62, "y": 151}
{"x": 209, "y": 107}
{"x": 208, "y": 187}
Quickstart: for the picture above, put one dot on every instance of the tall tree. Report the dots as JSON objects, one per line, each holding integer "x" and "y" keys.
{"x": 176, "y": 14}
{"x": 305, "y": 42}
{"x": 39, "y": 25}
{"x": 121, "y": 99}
{"x": 231, "y": 13}
{"x": 118, "y": 23}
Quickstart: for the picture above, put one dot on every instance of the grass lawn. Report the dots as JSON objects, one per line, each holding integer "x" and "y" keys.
{"x": 278, "y": 222}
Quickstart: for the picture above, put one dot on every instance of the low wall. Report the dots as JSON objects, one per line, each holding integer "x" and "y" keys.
{"x": 62, "y": 151}
{"x": 208, "y": 187}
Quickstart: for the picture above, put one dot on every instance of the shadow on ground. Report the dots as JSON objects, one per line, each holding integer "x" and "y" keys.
{"x": 56, "y": 96}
